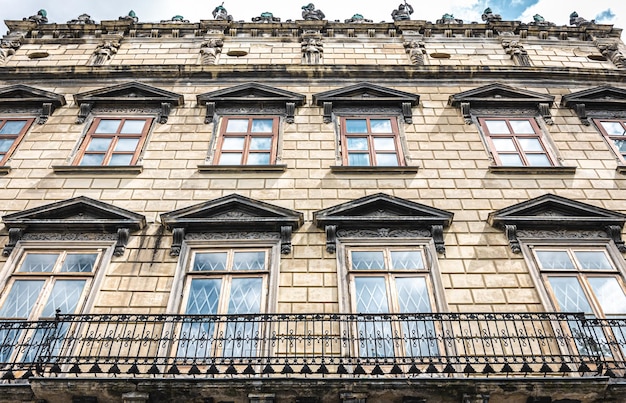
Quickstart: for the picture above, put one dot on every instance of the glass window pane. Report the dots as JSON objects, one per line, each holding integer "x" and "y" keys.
{"x": 381, "y": 126}
{"x": 613, "y": 128}
{"x": 5, "y": 144}
{"x": 593, "y": 260}
{"x": 497, "y": 127}
{"x": 21, "y": 299}
{"x": 121, "y": 159}
{"x": 210, "y": 261}
{"x": 126, "y": 144}
{"x": 79, "y": 263}
{"x": 13, "y": 127}
{"x": 233, "y": 143}
{"x": 92, "y": 159}
{"x": 356, "y": 126}
{"x": 368, "y": 260}
{"x": 569, "y": 294}
{"x": 538, "y": 160}
{"x": 249, "y": 260}
{"x": 609, "y": 294}
{"x": 621, "y": 145}
{"x": 359, "y": 160}
{"x": 99, "y": 144}
{"x": 510, "y": 160}
{"x": 39, "y": 263}
{"x": 530, "y": 144}
{"x": 65, "y": 296}
{"x": 230, "y": 159}
{"x": 237, "y": 126}
{"x": 245, "y": 295}
{"x": 261, "y": 143}
{"x": 204, "y": 296}
{"x": 384, "y": 144}
{"x": 521, "y": 127}
{"x": 371, "y": 295}
{"x": 503, "y": 144}
{"x": 387, "y": 160}
{"x": 554, "y": 260}
{"x": 406, "y": 260}
{"x": 357, "y": 143}
{"x": 412, "y": 294}
{"x": 133, "y": 127}
{"x": 258, "y": 159}
{"x": 262, "y": 125}
{"x": 108, "y": 126}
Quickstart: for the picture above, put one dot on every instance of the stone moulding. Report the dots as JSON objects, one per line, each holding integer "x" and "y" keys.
{"x": 595, "y": 101}
{"x": 555, "y": 217}
{"x": 39, "y": 101}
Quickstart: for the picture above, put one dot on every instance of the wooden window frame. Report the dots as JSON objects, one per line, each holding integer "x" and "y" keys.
{"x": 17, "y": 138}
{"x": 539, "y": 135}
{"x": 248, "y": 135}
{"x": 371, "y": 151}
{"x": 91, "y": 134}
{"x": 610, "y": 139}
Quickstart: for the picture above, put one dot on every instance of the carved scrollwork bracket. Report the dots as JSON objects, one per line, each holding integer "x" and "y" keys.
{"x": 615, "y": 233}
{"x": 15, "y": 234}
{"x": 544, "y": 110}
{"x": 210, "y": 112}
{"x": 407, "y": 111}
{"x": 437, "y": 233}
{"x": 166, "y": 108}
{"x": 85, "y": 109}
{"x": 291, "y": 112}
{"x": 46, "y": 111}
{"x": 178, "y": 235}
{"x": 331, "y": 238}
{"x": 511, "y": 234}
{"x": 465, "y": 111}
{"x": 285, "y": 239}
{"x": 581, "y": 111}
{"x": 328, "y": 112}
{"x": 122, "y": 241}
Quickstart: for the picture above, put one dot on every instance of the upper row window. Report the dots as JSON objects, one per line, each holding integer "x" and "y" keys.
{"x": 11, "y": 133}
{"x": 370, "y": 141}
{"x": 614, "y": 131}
{"x": 248, "y": 141}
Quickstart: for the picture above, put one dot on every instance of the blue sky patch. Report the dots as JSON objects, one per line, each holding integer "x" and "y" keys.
{"x": 605, "y": 16}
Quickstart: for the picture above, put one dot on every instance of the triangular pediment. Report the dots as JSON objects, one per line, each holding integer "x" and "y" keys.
{"x": 23, "y": 94}
{"x": 365, "y": 93}
{"x": 251, "y": 93}
{"x": 499, "y": 94}
{"x": 132, "y": 92}
{"x": 599, "y": 98}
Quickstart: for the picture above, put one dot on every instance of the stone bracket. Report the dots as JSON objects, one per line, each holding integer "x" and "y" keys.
{"x": 511, "y": 234}
{"x": 166, "y": 108}
{"x": 291, "y": 112}
{"x": 46, "y": 111}
{"x": 465, "y": 111}
{"x": 285, "y": 239}
{"x": 328, "y": 112}
{"x": 437, "y": 233}
{"x": 15, "y": 234}
{"x": 331, "y": 238}
{"x": 85, "y": 109}
{"x": 581, "y": 111}
{"x": 210, "y": 112}
{"x": 178, "y": 235}
{"x": 122, "y": 241}
{"x": 615, "y": 233}
{"x": 407, "y": 111}
{"x": 544, "y": 110}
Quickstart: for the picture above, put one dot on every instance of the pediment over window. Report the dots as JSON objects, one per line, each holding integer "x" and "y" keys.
{"x": 78, "y": 215}
{"x": 251, "y": 95}
{"x": 498, "y": 96}
{"x": 381, "y": 215}
{"x": 601, "y": 98}
{"x": 134, "y": 94}
{"x": 25, "y": 97}
{"x": 368, "y": 95}
{"x": 232, "y": 213}
{"x": 558, "y": 215}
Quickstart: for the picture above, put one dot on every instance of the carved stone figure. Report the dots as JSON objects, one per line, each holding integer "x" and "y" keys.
{"x": 266, "y": 17}
{"x": 210, "y": 49}
{"x": 611, "y": 52}
{"x": 312, "y": 49}
{"x": 449, "y": 19}
{"x": 82, "y": 19}
{"x": 309, "y": 13}
{"x": 416, "y": 51}
{"x": 539, "y": 21}
{"x": 357, "y": 18}
{"x": 402, "y": 13}
{"x": 517, "y": 52}
{"x": 220, "y": 13}
{"x": 130, "y": 17}
{"x": 40, "y": 18}
{"x": 104, "y": 52}
{"x": 488, "y": 16}
{"x": 177, "y": 19}
{"x": 8, "y": 48}
{"x": 574, "y": 19}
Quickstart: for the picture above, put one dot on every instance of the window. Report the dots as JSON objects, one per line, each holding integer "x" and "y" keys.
{"x": 248, "y": 141}
{"x": 370, "y": 141}
{"x": 614, "y": 131}
{"x": 516, "y": 142}
{"x": 392, "y": 280}
{"x": 113, "y": 142}
{"x": 11, "y": 133}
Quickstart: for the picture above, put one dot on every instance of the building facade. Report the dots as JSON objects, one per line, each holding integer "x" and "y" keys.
{"x": 312, "y": 211}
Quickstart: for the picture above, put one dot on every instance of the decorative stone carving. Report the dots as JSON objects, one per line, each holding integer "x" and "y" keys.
{"x": 40, "y": 18}
{"x": 416, "y": 51}
{"x": 122, "y": 241}
{"x": 611, "y": 52}
{"x": 357, "y": 19}
{"x": 177, "y": 19}
{"x": 210, "y": 49}
{"x": 517, "y": 52}
{"x": 312, "y": 49}
{"x": 104, "y": 52}
{"x": 539, "y": 21}
{"x": 220, "y": 13}
{"x": 266, "y": 17}
{"x": 212, "y": 236}
{"x": 8, "y": 48}
{"x": 403, "y": 12}
{"x": 178, "y": 235}
{"x": 449, "y": 19}
{"x": 15, "y": 234}
{"x": 132, "y": 17}
{"x": 285, "y": 239}
{"x": 488, "y": 16}
{"x": 575, "y": 20}
{"x": 309, "y": 13}
{"x": 331, "y": 238}
{"x": 82, "y": 20}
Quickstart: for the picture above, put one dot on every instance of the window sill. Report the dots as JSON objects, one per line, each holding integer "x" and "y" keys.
{"x": 96, "y": 169}
{"x": 4, "y": 169}
{"x": 242, "y": 168}
{"x": 621, "y": 169}
{"x": 343, "y": 169}
{"x": 564, "y": 170}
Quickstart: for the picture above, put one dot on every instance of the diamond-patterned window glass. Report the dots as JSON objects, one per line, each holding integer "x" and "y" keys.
{"x": 368, "y": 260}
{"x": 554, "y": 260}
{"x": 21, "y": 299}
{"x": 204, "y": 296}
{"x": 39, "y": 263}
{"x": 79, "y": 263}
{"x": 407, "y": 260}
{"x": 64, "y": 296}
{"x": 249, "y": 260}
{"x": 569, "y": 294}
{"x": 211, "y": 261}
{"x": 593, "y": 260}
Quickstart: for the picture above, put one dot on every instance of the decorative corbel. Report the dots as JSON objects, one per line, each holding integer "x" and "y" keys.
{"x": 178, "y": 235}
{"x": 46, "y": 111}
{"x": 544, "y": 110}
{"x": 122, "y": 241}
{"x": 581, "y": 111}
{"x": 615, "y": 233}
{"x": 15, "y": 234}
{"x": 331, "y": 238}
{"x": 407, "y": 111}
{"x": 511, "y": 234}
{"x": 328, "y": 112}
{"x": 210, "y": 112}
{"x": 465, "y": 111}
{"x": 166, "y": 108}
{"x": 437, "y": 233}
{"x": 85, "y": 109}
{"x": 291, "y": 112}
{"x": 285, "y": 239}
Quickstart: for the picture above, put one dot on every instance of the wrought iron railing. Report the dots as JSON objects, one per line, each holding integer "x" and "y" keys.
{"x": 312, "y": 345}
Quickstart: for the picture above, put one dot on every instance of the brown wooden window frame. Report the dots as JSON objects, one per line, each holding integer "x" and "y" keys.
{"x": 371, "y": 151}
{"x": 17, "y": 138}
{"x": 515, "y": 137}
{"x": 247, "y": 135}
{"x": 91, "y": 134}
{"x": 612, "y": 138}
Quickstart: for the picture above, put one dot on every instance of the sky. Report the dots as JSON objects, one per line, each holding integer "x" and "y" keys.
{"x": 557, "y": 11}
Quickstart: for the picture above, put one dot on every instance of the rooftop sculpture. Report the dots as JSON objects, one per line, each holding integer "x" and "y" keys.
{"x": 266, "y": 17}
{"x": 357, "y": 18}
{"x": 309, "y": 13}
{"x": 130, "y": 17}
{"x": 220, "y": 13}
{"x": 539, "y": 21}
{"x": 82, "y": 19}
{"x": 574, "y": 19}
{"x": 403, "y": 12}
{"x": 488, "y": 16}
{"x": 40, "y": 18}
{"x": 449, "y": 19}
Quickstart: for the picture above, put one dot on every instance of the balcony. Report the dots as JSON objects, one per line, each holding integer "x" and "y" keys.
{"x": 314, "y": 346}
